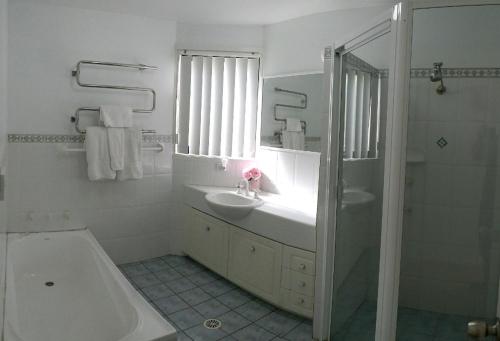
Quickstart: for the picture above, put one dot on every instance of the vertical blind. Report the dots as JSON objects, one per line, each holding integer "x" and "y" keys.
{"x": 217, "y": 104}
{"x": 362, "y": 114}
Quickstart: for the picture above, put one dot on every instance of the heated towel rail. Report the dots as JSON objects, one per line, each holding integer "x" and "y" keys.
{"x": 303, "y": 105}
{"x": 77, "y": 71}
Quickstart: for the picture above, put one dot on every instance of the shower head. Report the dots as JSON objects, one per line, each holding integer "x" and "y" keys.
{"x": 437, "y": 73}
{"x": 437, "y": 76}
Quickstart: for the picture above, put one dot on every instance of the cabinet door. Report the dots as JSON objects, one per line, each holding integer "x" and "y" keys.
{"x": 255, "y": 264}
{"x": 207, "y": 241}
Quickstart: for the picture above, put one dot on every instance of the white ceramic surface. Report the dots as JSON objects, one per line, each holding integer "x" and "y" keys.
{"x": 288, "y": 220}
{"x": 232, "y": 205}
{"x": 90, "y": 299}
{"x": 351, "y": 197}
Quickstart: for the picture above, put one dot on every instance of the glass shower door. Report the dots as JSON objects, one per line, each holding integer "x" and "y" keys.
{"x": 365, "y": 76}
{"x": 450, "y": 264}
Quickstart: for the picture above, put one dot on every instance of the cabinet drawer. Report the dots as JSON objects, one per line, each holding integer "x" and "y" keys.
{"x": 255, "y": 263}
{"x": 298, "y": 282}
{"x": 297, "y": 303}
{"x": 299, "y": 260}
{"x": 207, "y": 241}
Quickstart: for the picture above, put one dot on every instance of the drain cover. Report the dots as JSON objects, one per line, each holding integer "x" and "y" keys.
{"x": 212, "y": 324}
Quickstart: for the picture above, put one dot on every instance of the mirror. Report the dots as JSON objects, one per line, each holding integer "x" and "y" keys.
{"x": 365, "y": 77}
{"x": 291, "y": 112}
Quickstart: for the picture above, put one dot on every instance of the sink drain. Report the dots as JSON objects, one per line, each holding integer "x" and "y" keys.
{"x": 49, "y": 284}
{"x": 212, "y": 324}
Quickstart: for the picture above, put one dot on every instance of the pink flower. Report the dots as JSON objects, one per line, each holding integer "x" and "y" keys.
{"x": 252, "y": 174}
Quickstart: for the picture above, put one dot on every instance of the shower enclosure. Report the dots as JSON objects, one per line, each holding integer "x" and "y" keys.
{"x": 415, "y": 133}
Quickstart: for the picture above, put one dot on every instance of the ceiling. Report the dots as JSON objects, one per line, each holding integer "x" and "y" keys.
{"x": 247, "y": 12}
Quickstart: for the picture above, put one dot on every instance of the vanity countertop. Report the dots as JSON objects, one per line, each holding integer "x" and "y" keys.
{"x": 287, "y": 220}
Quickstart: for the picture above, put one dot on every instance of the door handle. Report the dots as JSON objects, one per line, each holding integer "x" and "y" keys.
{"x": 480, "y": 329}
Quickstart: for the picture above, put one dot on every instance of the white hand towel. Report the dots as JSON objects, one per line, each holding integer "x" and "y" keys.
{"x": 98, "y": 162}
{"x": 293, "y": 124}
{"x": 293, "y": 140}
{"x": 116, "y": 145}
{"x": 132, "y": 165}
{"x": 116, "y": 116}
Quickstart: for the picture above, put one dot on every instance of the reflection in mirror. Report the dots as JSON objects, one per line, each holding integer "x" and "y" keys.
{"x": 291, "y": 112}
{"x": 365, "y": 74}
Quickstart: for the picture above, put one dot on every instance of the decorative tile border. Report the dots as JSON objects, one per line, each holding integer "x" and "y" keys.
{"x": 458, "y": 72}
{"x": 43, "y": 138}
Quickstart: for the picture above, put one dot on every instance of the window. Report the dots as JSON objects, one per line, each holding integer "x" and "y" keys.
{"x": 217, "y": 103}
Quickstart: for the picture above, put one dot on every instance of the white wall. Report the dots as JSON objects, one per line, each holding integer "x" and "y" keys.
{"x": 3, "y": 101}
{"x": 220, "y": 37}
{"x": 462, "y": 37}
{"x": 45, "y": 44}
{"x": 297, "y": 45}
{"x": 3, "y": 141}
{"x": 130, "y": 219}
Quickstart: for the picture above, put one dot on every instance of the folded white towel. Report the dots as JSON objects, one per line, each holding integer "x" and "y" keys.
{"x": 97, "y": 148}
{"x": 116, "y": 116}
{"x": 293, "y": 124}
{"x": 293, "y": 140}
{"x": 116, "y": 145}
{"x": 132, "y": 158}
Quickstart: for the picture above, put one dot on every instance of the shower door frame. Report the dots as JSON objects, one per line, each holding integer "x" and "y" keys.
{"x": 389, "y": 274}
{"x": 394, "y": 19}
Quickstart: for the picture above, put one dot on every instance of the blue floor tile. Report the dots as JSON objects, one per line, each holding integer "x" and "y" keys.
{"x": 253, "y": 333}
{"x": 194, "y": 296}
{"x": 255, "y": 310}
{"x": 180, "y": 285}
{"x": 155, "y": 264}
{"x": 186, "y": 318}
{"x": 232, "y": 322}
{"x": 235, "y": 298}
{"x": 200, "y": 333}
{"x": 157, "y": 291}
{"x": 218, "y": 287}
{"x": 170, "y": 305}
{"x": 147, "y": 280}
{"x": 279, "y": 323}
{"x": 211, "y": 308}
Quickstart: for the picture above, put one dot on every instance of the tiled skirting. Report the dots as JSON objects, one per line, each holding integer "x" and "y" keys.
{"x": 187, "y": 294}
{"x": 46, "y": 138}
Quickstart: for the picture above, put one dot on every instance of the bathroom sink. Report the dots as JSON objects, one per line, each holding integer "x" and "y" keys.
{"x": 232, "y": 205}
{"x": 352, "y": 197}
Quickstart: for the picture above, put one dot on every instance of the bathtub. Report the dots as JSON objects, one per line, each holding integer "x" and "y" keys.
{"x": 62, "y": 286}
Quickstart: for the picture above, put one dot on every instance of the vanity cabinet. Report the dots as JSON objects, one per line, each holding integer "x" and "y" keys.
{"x": 278, "y": 273}
{"x": 207, "y": 241}
{"x": 255, "y": 264}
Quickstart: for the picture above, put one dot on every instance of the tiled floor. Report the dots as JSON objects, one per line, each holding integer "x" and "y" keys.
{"x": 413, "y": 325}
{"x": 187, "y": 294}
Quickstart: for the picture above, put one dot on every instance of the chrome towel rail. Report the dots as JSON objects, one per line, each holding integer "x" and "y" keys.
{"x": 76, "y": 120}
{"x": 77, "y": 72}
{"x": 303, "y": 105}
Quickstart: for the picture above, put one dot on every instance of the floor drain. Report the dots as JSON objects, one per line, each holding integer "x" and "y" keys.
{"x": 212, "y": 324}
{"x": 49, "y": 284}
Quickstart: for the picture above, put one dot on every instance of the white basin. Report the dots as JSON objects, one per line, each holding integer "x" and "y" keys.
{"x": 232, "y": 205}
{"x": 356, "y": 197}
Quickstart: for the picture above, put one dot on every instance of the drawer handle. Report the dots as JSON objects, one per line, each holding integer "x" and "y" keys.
{"x": 252, "y": 249}
{"x": 208, "y": 228}
{"x": 302, "y": 284}
{"x": 302, "y": 266}
{"x": 301, "y": 301}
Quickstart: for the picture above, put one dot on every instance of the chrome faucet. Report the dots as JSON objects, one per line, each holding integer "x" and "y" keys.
{"x": 243, "y": 184}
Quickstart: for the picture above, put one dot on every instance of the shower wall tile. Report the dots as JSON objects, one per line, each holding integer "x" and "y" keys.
{"x": 474, "y": 99}
{"x": 452, "y": 211}
{"x": 444, "y": 108}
